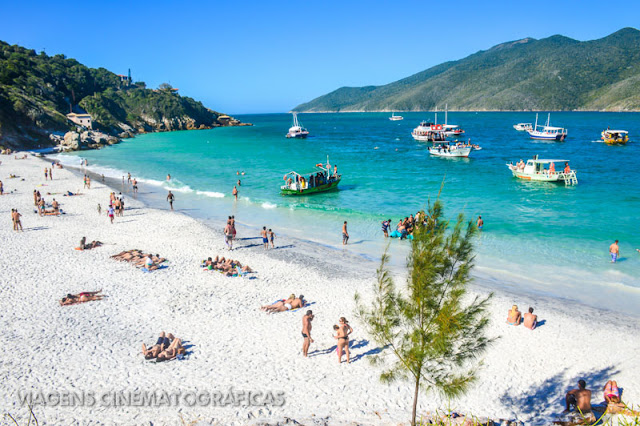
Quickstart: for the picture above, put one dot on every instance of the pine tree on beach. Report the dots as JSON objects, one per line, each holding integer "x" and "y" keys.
{"x": 432, "y": 333}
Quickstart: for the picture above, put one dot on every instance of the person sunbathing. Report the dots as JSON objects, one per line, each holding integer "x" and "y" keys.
{"x": 91, "y": 245}
{"x": 71, "y": 194}
{"x": 280, "y": 306}
{"x": 612, "y": 393}
{"x": 87, "y": 296}
{"x": 514, "y": 316}
{"x": 172, "y": 351}
{"x": 163, "y": 342}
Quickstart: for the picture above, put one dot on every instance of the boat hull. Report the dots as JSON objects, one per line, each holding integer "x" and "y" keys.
{"x": 457, "y": 153}
{"x": 331, "y": 186}
{"x": 559, "y": 137}
{"x": 302, "y": 135}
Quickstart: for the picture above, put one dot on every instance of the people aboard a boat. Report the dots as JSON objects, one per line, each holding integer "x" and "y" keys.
{"x": 552, "y": 168}
{"x": 567, "y": 169}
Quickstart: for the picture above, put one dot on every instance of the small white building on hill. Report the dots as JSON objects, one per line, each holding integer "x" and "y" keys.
{"x": 80, "y": 119}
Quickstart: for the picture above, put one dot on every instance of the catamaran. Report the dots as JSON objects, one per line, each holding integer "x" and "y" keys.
{"x": 615, "y": 137}
{"x": 535, "y": 170}
{"x": 395, "y": 117}
{"x": 523, "y": 127}
{"x": 297, "y": 131}
{"x": 547, "y": 132}
{"x": 451, "y": 149}
{"x": 320, "y": 179}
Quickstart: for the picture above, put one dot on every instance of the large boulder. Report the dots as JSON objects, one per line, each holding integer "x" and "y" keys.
{"x": 71, "y": 141}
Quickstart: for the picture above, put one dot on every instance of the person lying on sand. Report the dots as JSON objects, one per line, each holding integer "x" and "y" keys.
{"x": 172, "y": 351}
{"x": 140, "y": 259}
{"x": 280, "y": 306}
{"x": 91, "y": 245}
{"x": 612, "y": 393}
{"x": 227, "y": 266}
{"x": 163, "y": 342}
{"x": 71, "y": 194}
{"x": 87, "y": 296}
{"x": 514, "y": 316}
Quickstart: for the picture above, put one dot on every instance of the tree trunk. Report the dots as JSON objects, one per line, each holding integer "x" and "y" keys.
{"x": 415, "y": 402}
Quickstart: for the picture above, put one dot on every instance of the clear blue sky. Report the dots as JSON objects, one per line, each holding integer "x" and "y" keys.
{"x": 270, "y": 55}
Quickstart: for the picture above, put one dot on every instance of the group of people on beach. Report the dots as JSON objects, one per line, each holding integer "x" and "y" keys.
{"x": 342, "y": 331}
{"x": 41, "y": 205}
{"x": 167, "y": 347}
{"x": 267, "y": 237}
{"x": 579, "y": 400}
{"x": 141, "y": 260}
{"x": 529, "y": 319}
{"x": 228, "y": 267}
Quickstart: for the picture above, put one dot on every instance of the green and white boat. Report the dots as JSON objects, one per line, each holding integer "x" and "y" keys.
{"x": 320, "y": 179}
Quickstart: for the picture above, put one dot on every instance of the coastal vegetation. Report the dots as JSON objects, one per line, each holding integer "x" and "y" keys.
{"x": 554, "y": 73}
{"x": 38, "y": 90}
{"x": 431, "y": 331}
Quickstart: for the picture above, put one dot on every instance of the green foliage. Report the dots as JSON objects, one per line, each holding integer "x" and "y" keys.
{"x": 37, "y": 90}
{"x": 433, "y": 333}
{"x": 556, "y": 73}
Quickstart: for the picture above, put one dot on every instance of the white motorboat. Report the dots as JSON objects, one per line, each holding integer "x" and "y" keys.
{"x": 534, "y": 170}
{"x": 523, "y": 127}
{"x": 450, "y": 149}
{"x": 429, "y": 132}
{"x": 547, "y": 132}
{"x": 297, "y": 131}
{"x": 395, "y": 117}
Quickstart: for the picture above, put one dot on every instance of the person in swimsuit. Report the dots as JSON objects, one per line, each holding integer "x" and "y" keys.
{"x": 280, "y": 306}
{"x": 530, "y": 320}
{"x": 235, "y": 192}
{"x": 135, "y": 186}
{"x": 265, "y": 239}
{"x": 170, "y": 199}
{"x": 272, "y": 235}
{"x": 111, "y": 213}
{"x": 228, "y": 236}
{"x": 343, "y": 330}
{"x": 579, "y": 398}
{"x": 480, "y": 223}
{"x": 612, "y": 393}
{"x": 385, "y": 227}
{"x": 614, "y": 251}
{"x": 514, "y": 316}
{"x": 306, "y": 332}
{"x": 174, "y": 349}
{"x": 87, "y": 296}
{"x": 345, "y": 234}
{"x": 163, "y": 342}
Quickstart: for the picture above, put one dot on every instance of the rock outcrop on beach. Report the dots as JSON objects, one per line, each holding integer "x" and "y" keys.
{"x": 555, "y": 73}
{"x": 37, "y": 91}
{"x": 88, "y": 139}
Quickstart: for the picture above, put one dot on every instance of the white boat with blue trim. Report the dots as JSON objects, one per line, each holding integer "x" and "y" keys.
{"x": 547, "y": 132}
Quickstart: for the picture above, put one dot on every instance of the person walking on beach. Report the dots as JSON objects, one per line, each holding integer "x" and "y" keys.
{"x": 15, "y": 217}
{"x": 1, "y": 188}
{"x": 233, "y": 227}
{"x": 480, "y": 223}
{"x": 170, "y": 199}
{"x": 85, "y": 182}
{"x": 306, "y": 332}
{"x": 110, "y": 213}
{"x": 99, "y": 209}
{"x": 235, "y": 192}
{"x": 614, "y": 251}
{"x": 46, "y": 173}
{"x": 228, "y": 235}
{"x": 272, "y": 235}
{"x": 51, "y": 173}
{"x": 345, "y": 234}
{"x": 265, "y": 239}
{"x": 135, "y": 186}
{"x": 88, "y": 182}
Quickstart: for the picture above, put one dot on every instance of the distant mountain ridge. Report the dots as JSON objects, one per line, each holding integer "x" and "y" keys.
{"x": 554, "y": 73}
{"x": 37, "y": 91}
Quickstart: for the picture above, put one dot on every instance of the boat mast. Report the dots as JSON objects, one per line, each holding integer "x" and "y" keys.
{"x": 548, "y": 119}
{"x": 536, "y": 122}
{"x": 446, "y": 110}
{"x": 436, "y": 119}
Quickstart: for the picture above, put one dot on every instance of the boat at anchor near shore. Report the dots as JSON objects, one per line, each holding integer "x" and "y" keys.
{"x": 319, "y": 179}
{"x": 534, "y": 170}
{"x": 296, "y": 130}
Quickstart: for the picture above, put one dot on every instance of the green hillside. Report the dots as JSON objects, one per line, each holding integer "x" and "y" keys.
{"x": 555, "y": 73}
{"x": 37, "y": 91}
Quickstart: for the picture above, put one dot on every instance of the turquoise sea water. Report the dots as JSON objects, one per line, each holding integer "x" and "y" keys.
{"x": 538, "y": 237}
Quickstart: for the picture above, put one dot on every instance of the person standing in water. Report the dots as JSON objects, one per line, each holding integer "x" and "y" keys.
{"x": 170, "y": 199}
{"x": 480, "y": 223}
{"x": 168, "y": 177}
{"x": 614, "y": 251}
{"x": 235, "y": 192}
{"x": 306, "y": 332}
{"x": 345, "y": 234}
{"x": 265, "y": 239}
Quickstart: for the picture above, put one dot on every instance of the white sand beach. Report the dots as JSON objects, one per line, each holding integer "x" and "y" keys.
{"x": 95, "y": 348}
